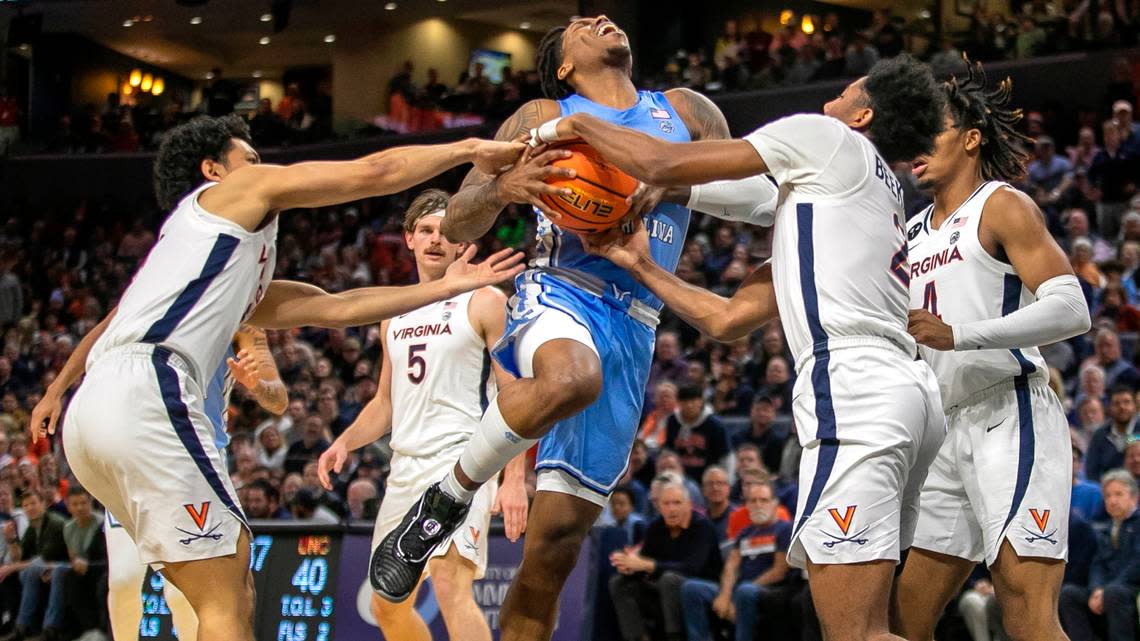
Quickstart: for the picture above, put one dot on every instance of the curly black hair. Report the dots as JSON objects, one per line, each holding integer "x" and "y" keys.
{"x": 549, "y": 59}
{"x": 177, "y": 167}
{"x": 1003, "y": 153}
{"x": 908, "y": 108}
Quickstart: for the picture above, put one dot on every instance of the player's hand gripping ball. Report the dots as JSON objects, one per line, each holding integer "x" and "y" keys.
{"x": 598, "y": 191}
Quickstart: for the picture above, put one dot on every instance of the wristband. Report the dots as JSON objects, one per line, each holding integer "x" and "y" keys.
{"x": 546, "y": 133}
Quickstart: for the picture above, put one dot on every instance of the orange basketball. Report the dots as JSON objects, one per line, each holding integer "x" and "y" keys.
{"x": 599, "y": 190}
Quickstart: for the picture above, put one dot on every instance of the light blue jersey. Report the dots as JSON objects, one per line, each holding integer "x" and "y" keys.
{"x": 560, "y": 253}
{"x": 217, "y": 398}
{"x": 620, "y": 315}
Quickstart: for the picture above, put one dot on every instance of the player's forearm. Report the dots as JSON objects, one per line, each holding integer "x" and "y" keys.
{"x": 76, "y": 364}
{"x": 472, "y": 211}
{"x": 312, "y": 306}
{"x": 374, "y": 421}
{"x": 515, "y": 471}
{"x": 749, "y": 200}
{"x": 658, "y": 162}
{"x": 1060, "y": 312}
{"x": 708, "y": 312}
{"x": 272, "y": 396}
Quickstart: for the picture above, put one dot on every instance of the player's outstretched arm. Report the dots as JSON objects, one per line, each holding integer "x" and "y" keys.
{"x": 374, "y": 421}
{"x": 724, "y": 319}
{"x": 1012, "y": 222}
{"x": 289, "y": 304}
{"x": 46, "y": 413}
{"x": 255, "y": 370}
{"x": 656, "y": 161}
{"x": 246, "y": 195}
{"x": 473, "y": 209}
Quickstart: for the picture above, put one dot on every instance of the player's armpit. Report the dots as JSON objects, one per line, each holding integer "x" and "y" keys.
{"x": 701, "y": 116}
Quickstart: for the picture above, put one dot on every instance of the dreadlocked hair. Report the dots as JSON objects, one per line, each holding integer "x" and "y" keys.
{"x": 908, "y": 106}
{"x": 549, "y": 60}
{"x": 972, "y": 106}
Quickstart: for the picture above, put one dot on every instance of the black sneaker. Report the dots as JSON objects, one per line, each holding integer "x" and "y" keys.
{"x": 399, "y": 560}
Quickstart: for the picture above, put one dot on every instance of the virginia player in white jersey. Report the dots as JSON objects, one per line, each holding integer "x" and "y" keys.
{"x": 867, "y": 414}
{"x": 989, "y": 285}
{"x": 136, "y": 434}
{"x": 436, "y": 380}
{"x": 252, "y": 367}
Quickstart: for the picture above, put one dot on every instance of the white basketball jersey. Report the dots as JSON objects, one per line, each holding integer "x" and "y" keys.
{"x": 441, "y": 377}
{"x": 839, "y": 252}
{"x": 201, "y": 279}
{"x": 956, "y": 279}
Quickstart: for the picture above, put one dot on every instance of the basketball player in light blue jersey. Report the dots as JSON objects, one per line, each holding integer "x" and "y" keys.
{"x": 579, "y": 336}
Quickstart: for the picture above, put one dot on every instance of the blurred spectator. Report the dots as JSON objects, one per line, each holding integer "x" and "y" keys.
{"x": 73, "y": 584}
{"x": 304, "y": 507}
{"x": 260, "y": 500}
{"x": 669, "y": 461}
{"x": 860, "y": 57}
{"x": 667, "y": 362}
{"x": 1113, "y": 171}
{"x": 1106, "y": 354}
{"x": 1049, "y": 175}
{"x": 271, "y": 450}
{"x": 31, "y": 557}
{"x": 768, "y": 439}
{"x": 1086, "y": 149}
{"x": 1114, "y": 577}
{"x": 749, "y": 584}
{"x": 715, "y": 489}
{"x": 1106, "y": 448}
{"x": 652, "y": 432}
{"x": 1082, "y": 551}
{"x": 624, "y": 517}
{"x": 1132, "y": 458}
{"x": 1087, "y": 500}
{"x": 731, "y": 396}
{"x": 359, "y": 493}
{"x": 978, "y": 607}
{"x": 947, "y": 60}
{"x": 312, "y": 444}
{"x": 695, "y": 433}
{"x": 1077, "y": 226}
{"x": 266, "y": 127}
{"x": 680, "y": 544}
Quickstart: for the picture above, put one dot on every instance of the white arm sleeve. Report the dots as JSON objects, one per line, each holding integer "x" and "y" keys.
{"x": 1059, "y": 312}
{"x": 750, "y": 200}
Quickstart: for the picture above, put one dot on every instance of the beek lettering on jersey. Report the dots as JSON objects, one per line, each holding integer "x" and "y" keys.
{"x": 933, "y": 262}
{"x": 889, "y": 179}
{"x": 438, "y": 329}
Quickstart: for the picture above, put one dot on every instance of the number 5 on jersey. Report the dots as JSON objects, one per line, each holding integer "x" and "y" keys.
{"x": 417, "y": 366}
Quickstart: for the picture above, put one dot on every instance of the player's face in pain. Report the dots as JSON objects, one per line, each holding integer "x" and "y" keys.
{"x": 591, "y": 43}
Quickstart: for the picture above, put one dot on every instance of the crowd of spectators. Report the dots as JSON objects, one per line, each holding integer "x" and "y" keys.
{"x": 813, "y": 48}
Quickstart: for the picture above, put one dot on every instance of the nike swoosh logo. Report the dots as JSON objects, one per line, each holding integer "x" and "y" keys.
{"x": 992, "y": 428}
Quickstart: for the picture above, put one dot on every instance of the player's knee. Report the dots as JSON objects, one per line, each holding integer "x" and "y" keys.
{"x": 568, "y": 392}
{"x": 452, "y": 585}
{"x": 387, "y": 613}
{"x": 559, "y": 545}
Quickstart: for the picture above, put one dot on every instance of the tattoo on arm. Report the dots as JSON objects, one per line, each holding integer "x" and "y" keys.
{"x": 703, "y": 118}
{"x": 270, "y": 394}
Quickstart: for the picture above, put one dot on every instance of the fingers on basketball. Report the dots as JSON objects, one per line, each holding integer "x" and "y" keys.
{"x": 595, "y": 198}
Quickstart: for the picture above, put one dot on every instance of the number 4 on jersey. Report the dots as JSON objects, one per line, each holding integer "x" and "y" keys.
{"x": 930, "y": 299}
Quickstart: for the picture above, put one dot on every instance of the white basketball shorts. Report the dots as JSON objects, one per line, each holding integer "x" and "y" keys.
{"x": 870, "y": 422}
{"x": 136, "y": 437}
{"x": 1005, "y": 472}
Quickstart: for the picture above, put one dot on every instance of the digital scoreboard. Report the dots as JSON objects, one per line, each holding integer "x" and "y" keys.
{"x": 312, "y": 585}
